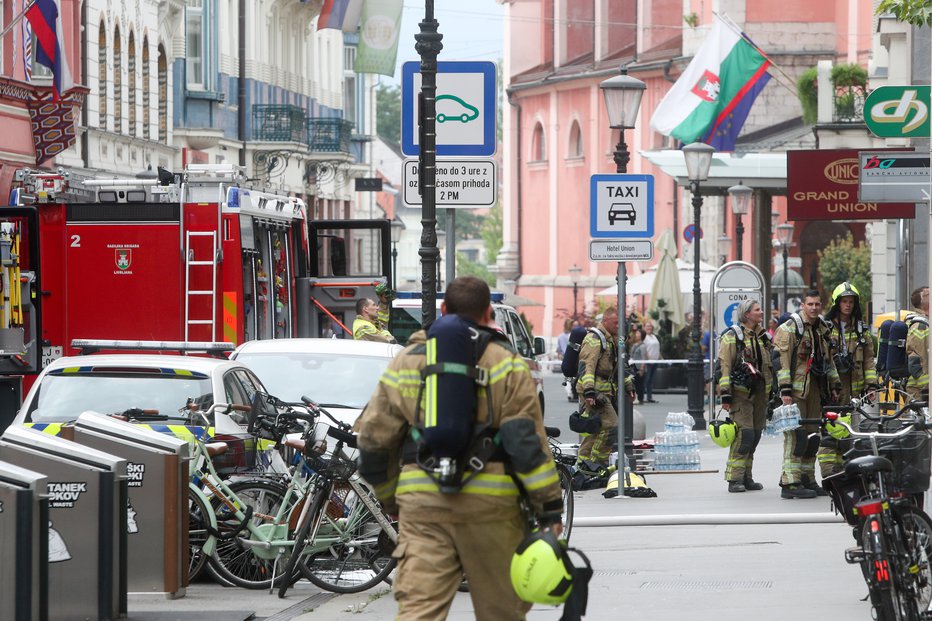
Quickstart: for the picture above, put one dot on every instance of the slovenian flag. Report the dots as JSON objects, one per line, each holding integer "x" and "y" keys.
{"x": 340, "y": 14}
{"x": 45, "y": 18}
{"x": 711, "y": 100}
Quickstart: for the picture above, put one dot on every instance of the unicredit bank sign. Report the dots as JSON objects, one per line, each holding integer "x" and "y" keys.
{"x": 823, "y": 185}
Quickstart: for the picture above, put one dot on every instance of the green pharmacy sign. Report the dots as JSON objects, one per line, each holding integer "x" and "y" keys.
{"x": 898, "y": 112}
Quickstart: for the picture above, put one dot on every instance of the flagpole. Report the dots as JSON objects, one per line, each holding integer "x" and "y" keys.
{"x": 16, "y": 19}
{"x": 790, "y": 84}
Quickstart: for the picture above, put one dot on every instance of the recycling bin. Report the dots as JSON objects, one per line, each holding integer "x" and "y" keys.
{"x": 87, "y": 510}
{"x": 157, "y": 508}
{"x": 24, "y": 544}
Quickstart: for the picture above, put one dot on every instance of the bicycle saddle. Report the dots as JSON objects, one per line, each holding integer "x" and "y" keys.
{"x": 868, "y": 464}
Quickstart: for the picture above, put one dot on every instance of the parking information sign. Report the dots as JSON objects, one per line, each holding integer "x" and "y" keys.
{"x": 460, "y": 183}
{"x": 622, "y": 206}
{"x": 465, "y": 108}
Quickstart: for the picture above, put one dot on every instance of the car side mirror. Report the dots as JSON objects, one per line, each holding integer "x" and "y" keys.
{"x": 540, "y": 346}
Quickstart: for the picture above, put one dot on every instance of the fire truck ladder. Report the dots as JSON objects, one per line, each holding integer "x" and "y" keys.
{"x": 190, "y": 263}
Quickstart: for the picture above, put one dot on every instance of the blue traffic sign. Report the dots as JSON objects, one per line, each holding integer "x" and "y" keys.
{"x": 689, "y": 233}
{"x": 466, "y": 96}
{"x": 622, "y": 206}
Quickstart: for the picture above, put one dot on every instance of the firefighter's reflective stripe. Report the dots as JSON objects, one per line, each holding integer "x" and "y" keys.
{"x": 229, "y": 317}
{"x": 501, "y": 370}
{"x": 430, "y": 387}
{"x": 406, "y": 381}
{"x": 385, "y": 490}
{"x": 542, "y": 476}
{"x": 53, "y": 429}
{"x": 484, "y": 484}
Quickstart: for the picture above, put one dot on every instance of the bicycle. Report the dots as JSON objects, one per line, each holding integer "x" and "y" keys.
{"x": 344, "y": 536}
{"x": 565, "y": 465}
{"x": 879, "y": 494}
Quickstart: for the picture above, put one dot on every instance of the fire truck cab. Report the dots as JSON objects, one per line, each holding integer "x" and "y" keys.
{"x": 186, "y": 257}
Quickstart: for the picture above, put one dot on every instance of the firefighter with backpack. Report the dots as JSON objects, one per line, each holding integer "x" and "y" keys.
{"x": 745, "y": 357}
{"x": 450, "y": 441}
{"x": 853, "y": 355}
{"x": 917, "y": 346}
{"x": 807, "y": 377}
{"x": 596, "y": 383}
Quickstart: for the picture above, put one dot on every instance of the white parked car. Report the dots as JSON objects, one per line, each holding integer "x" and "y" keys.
{"x": 338, "y": 374}
{"x": 114, "y": 383}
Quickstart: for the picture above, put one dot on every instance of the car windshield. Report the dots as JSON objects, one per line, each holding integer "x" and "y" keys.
{"x": 62, "y": 398}
{"x": 328, "y": 379}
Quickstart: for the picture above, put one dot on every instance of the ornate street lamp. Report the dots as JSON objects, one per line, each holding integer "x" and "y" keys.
{"x": 575, "y": 271}
{"x": 698, "y": 161}
{"x": 622, "y": 95}
{"x": 740, "y": 204}
{"x": 785, "y": 237}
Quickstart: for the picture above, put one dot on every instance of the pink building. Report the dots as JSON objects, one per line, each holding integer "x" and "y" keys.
{"x": 556, "y": 132}
{"x": 17, "y": 149}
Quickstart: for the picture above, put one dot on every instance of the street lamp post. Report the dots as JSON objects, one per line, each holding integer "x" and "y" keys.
{"x": 428, "y": 46}
{"x": 622, "y": 95}
{"x": 397, "y": 228}
{"x": 785, "y": 237}
{"x": 740, "y": 203}
{"x": 698, "y": 161}
{"x": 575, "y": 271}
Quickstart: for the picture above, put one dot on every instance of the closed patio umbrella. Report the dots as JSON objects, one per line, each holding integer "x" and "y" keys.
{"x": 666, "y": 285}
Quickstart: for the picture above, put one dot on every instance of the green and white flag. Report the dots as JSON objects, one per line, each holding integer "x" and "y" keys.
{"x": 378, "y": 37}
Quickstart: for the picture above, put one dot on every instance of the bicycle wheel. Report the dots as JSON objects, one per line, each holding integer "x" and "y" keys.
{"x": 566, "y": 486}
{"x": 360, "y": 556}
{"x": 233, "y": 561}
{"x": 197, "y": 535}
{"x": 301, "y": 540}
{"x": 879, "y": 571}
{"x": 915, "y": 528}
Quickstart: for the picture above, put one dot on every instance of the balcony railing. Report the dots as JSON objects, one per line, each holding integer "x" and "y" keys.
{"x": 279, "y": 123}
{"x": 331, "y": 135}
{"x": 848, "y": 104}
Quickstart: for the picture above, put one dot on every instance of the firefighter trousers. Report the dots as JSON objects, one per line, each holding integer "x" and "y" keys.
{"x": 749, "y": 413}
{"x": 801, "y": 445}
{"x": 597, "y": 447}
{"x": 433, "y": 556}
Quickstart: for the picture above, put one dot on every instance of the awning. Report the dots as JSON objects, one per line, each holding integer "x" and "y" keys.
{"x": 757, "y": 170}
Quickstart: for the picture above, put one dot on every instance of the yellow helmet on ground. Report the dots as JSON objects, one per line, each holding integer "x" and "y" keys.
{"x": 723, "y": 432}
{"x": 838, "y": 431}
{"x": 843, "y": 290}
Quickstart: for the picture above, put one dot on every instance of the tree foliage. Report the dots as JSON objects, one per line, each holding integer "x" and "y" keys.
{"x": 489, "y": 228}
{"x": 842, "y": 261}
{"x": 388, "y": 116}
{"x": 915, "y": 12}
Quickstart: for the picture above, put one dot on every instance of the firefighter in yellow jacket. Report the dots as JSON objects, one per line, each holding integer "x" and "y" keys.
{"x": 853, "y": 355}
{"x": 745, "y": 357}
{"x": 444, "y": 534}
{"x": 917, "y": 346}
{"x": 597, "y": 386}
{"x": 807, "y": 377}
{"x": 367, "y": 326}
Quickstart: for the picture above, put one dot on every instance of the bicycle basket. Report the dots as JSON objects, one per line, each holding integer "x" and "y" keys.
{"x": 845, "y": 492}
{"x": 337, "y": 508}
{"x": 910, "y": 456}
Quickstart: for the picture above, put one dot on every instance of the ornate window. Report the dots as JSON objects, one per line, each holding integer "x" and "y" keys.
{"x": 575, "y": 147}
{"x": 163, "y": 94}
{"x": 102, "y": 84}
{"x": 131, "y": 83}
{"x": 146, "y": 86}
{"x": 117, "y": 82}
{"x": 538, "y": 144}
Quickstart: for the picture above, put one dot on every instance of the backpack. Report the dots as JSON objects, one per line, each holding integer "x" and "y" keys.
{"x": 896, "y": 363}
{"x": 570, "y": 364}
{"x": 883, "y": 344}
{"x": 445, "y": 432}
{"x": 717, "y": 370}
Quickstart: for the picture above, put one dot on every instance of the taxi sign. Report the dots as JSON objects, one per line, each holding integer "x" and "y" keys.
{"x": 622, "y": 206}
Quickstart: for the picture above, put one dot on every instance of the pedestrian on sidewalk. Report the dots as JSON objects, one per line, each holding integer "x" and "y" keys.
{"x": 808, "y": 378}
{"x": 745, "y": 358}
{"x": 473, "y": 528}
{"x": 637, "y": 352}
{"x": 652, "y": 354}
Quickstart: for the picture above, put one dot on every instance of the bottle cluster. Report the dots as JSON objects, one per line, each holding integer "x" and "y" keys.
{"x": 677, "y": 446}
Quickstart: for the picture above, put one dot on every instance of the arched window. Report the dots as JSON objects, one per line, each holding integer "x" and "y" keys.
{"x": 538, "y": 144}
{"x": 163, "y": 94}
{"x": 117, "y": 82}
{"x": 575, "y": 147}
{"x": 131, "y": 82}
{"x": 102, "y": 84}
{"x": 146, "y": 118}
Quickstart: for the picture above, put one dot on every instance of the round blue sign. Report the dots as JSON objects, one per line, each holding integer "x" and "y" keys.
{"x": 729, "y": 314}
{"x": 689, "y": 233}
